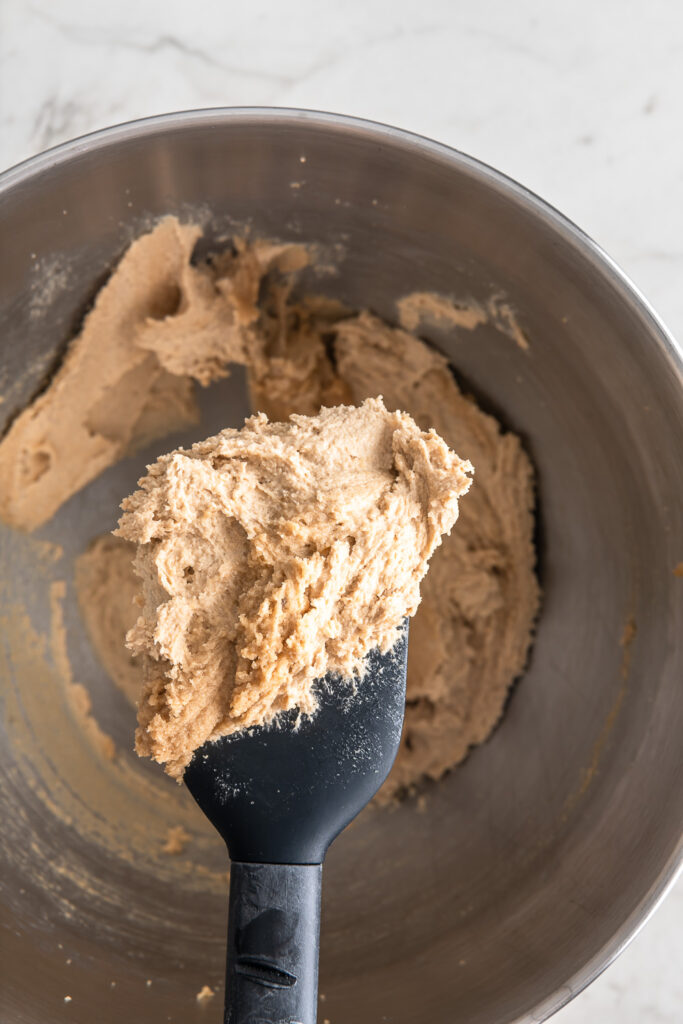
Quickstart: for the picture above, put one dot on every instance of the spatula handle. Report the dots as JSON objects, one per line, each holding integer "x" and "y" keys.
{"x": 273, "y": 943}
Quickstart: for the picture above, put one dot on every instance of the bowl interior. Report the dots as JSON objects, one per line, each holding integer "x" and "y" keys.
{"x": 516, "y": 877}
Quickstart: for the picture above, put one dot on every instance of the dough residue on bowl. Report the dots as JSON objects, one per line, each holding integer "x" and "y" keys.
{"x": 470, "y": 636}
{"x": 109, "y": 601}
{"x": 205, "y": 995}
{"x": 109, "y": 396}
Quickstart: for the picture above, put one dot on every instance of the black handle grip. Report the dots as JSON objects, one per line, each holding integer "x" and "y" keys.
{"x": 273, "y": 940}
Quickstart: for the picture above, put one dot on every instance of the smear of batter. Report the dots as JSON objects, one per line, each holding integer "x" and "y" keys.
{"x": 274, "y": 555}
{"x": 127, "y": 377}
{"x": 471, "y": 634}
{"x": 421, "y": 309}
{"x": 177, "y": 839}
{"x": 109, "y": 600}
{"x": 77, "y": 696}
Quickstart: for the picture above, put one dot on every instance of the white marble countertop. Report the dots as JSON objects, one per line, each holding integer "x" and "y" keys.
{"x": 582, "y": 102}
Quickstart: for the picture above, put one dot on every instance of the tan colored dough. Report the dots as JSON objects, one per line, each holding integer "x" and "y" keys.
{"x": 216, "y": 309}
{"x": 472, "y": 631}
{"x": 205, "y": 995}
{"x": 177, "y": 839}
{"x": 273, "y": 555}
{"x": 471, "y": 634}
{"x": 108, "y": 597}
{"x": 109, "y": 395}
{"x": 126, "y": 378}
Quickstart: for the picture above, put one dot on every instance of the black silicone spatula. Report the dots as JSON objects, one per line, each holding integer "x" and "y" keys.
{"x": 279, "y": 795}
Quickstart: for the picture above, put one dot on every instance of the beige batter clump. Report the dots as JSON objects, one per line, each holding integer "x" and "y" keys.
{"x": 273, "y": 555}
{"x": 205, "y": 995}
{"x": 470, "y": 636}
{"x": 127, "y": 378}
{"x": 109, "y": 396}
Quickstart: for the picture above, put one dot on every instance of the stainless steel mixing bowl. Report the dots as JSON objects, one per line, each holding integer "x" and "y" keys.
{"x": 521, "y": 875}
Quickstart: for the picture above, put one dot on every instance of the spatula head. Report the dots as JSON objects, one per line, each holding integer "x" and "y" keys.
{"x": 279, "y": 794}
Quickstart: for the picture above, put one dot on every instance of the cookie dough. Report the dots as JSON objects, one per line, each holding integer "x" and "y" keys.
{"x": 158, "y": 325}
{"x": 274, "y": 555}
{"x": 470, "y": 636}
{"x": 109, "y": 396}
{"x": 177, "y": 839}
{"x": 109, "y": 601}
{"x": 205, "y": 995}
